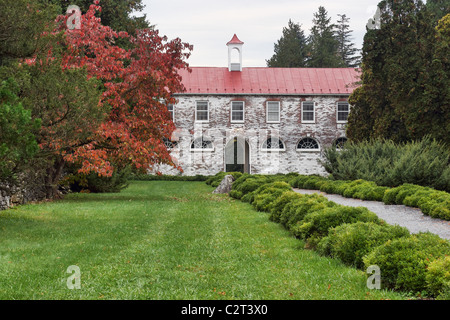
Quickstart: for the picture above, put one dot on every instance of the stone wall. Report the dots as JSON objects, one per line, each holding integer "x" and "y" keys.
{"x": 255, "y": 130}
{"x": 25, "y": 190}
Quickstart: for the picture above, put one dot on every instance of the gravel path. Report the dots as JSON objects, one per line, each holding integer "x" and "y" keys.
{"x": 411, "y": 218}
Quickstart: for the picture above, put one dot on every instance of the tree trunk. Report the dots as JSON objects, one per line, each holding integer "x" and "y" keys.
{"x": 54, "y": 174}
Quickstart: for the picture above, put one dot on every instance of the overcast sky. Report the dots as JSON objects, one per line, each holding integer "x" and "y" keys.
{"x": 209, "y": 25}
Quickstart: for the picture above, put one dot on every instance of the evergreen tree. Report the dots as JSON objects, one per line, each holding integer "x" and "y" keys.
{"x": 323, "y": 45}
{"x": 405, "y": 77}
{"x": 290, "y": 50}
{"x": 346, "y": 48}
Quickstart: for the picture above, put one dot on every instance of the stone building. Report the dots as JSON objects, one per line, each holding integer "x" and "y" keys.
{"x": 258, "y": 120}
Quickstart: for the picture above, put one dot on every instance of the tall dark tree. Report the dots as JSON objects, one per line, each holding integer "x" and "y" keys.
{"x": 346, "y": 48}
{"x": 323, "y": 45}
{"x": 290, "y": 50}
{"x": 405, "y": 77}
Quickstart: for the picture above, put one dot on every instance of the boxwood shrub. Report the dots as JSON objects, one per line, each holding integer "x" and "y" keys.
{"x": 350, "y": 242}
{"x": 438, "y": 278}
{"x": 404, "y": 261}
{"x": 280, "y": 203}
{"x": 316, "y": 224}
{"x": 268, "y": 193}
{"x": 296, "y": 210}
{"x": 432, "y": 202}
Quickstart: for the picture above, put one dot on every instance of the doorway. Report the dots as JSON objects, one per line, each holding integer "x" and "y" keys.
{"x": 237, "y": 156}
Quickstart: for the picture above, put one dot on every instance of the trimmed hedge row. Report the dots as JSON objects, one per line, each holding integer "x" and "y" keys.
{"x": 356, "y": 236}
{"x": 432, "y": 202}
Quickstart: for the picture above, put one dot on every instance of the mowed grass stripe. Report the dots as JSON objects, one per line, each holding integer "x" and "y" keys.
{"x": 163, "y": 240}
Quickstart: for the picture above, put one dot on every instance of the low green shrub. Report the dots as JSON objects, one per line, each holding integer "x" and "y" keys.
{"x": 315, "y": 225}
{"x": 314, "y": 182}
{"x": 404, "y": 261}
{"x": 246, "y": 185}
{"x": 438, "y": 278}
{"x": 296, "y": 210}
{"x": 268, "y": 193}
{"x": 299, "y": 181}
{"x": 424, "y": 162}
{"x": 94, "y": 183}
{"x": 432, "y": 202}
{"x": 279, "y": 204}
{"x": 332, "y": 186}
{"x": 374, "y": 194}
{"x": 350, "y": 242}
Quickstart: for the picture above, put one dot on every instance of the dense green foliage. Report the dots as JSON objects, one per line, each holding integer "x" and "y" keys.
{"x": 425, "y": 162}
{"x": 350, "y": 242}
{"x": 405, "y": 83}
{"x": 438, "y": 277}
{"x": 17, "y": 132}
{"x": 94, "y": 183}
{"x": 405, "y": 260}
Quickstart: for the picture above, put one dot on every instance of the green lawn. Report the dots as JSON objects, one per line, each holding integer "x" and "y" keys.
{"x": 164, "y": 240}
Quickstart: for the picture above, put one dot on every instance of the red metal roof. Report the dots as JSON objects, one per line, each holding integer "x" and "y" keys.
{"x": 261, "y": 80}
{"x": 235, "y": 40}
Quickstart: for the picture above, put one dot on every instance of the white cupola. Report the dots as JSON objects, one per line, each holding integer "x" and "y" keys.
{"x": 235, "y": 54}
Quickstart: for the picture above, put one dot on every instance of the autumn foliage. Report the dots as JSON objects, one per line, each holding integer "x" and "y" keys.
{"x": 136, "y": 85}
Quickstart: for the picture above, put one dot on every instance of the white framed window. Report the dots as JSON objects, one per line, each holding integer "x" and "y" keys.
{"x": 202, "y": 111}
{"x": 308, "y": 112}
{"x": 171, "y": 109}
{"x": 343, "y": 109}
{"x": 273, "y": 144}
{"x": 308, "y": 144}
{"x": 202, "y": 144}
{"x": 273, "y": 112}
{"x": 237, "y": 111}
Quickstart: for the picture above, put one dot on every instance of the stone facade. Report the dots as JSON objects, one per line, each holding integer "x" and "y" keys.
{"x": 253, "y": 132}
{"x": 241, "y": 145}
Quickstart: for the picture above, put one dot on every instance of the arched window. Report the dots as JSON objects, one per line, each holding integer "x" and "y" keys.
{"x": 170, "y": 144}
{"x": 339, "y": 142}
{"x": 273, "y": 144}
{"x": 202, "y": 144}
{"x": 308, "y": 144}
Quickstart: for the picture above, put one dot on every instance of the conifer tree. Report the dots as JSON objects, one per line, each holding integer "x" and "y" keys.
{"x": 290, "y": 50}
{"x": 405, "y": 77}
{"x": 323, "y": 45}
{"x": 346, "y": 47}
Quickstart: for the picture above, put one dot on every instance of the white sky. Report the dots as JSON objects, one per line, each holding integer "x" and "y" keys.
{"x": 209, "y": 25}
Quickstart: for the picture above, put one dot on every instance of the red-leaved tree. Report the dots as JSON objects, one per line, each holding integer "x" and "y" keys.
{"x": 138, "y": 85}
